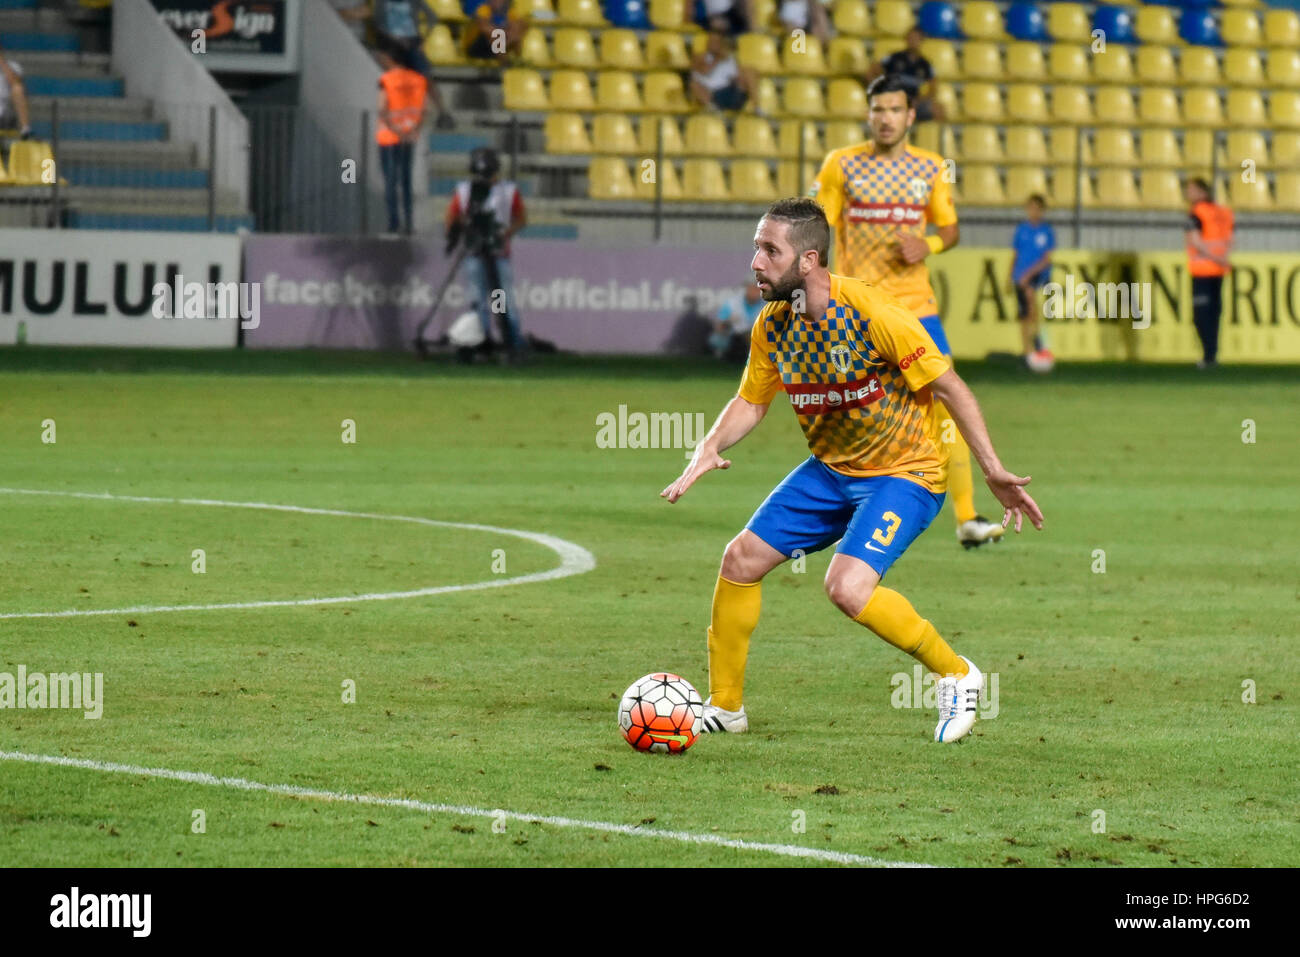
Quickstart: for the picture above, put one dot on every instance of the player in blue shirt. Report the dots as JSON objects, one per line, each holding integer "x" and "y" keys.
{"x": 1030, "y": 269}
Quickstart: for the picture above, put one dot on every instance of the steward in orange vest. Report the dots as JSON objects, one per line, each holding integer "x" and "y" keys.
{"x": 1209, "y": 240}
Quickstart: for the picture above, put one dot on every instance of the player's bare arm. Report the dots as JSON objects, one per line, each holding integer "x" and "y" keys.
{"x": 912, "y": 249}
{"x": 737, "y": 420}
{"x": 1005, "y": 486}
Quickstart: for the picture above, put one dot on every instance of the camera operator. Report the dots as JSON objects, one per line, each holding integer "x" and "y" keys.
{"x": 483, "y": 214}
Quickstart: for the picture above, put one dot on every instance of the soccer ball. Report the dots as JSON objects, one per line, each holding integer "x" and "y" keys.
{"x": 662, "y": 713}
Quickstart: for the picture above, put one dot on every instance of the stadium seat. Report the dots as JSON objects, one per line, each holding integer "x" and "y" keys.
{"x": 764, "y": 13}
{"x": 758, "y": 52}
{"x": 1114, "y": 104}
{"x": 846, "y": 99}
{"x": 616, "y": 92}
{"x": 706, "y": 135}
{"x": 1025, "y": 181}
{"x": 847, "y": 55}
{"x": 1025, "y": 22}
{"x": 1069, "y": 184}
{"x": 841, "y": 133}
{"x": 534, "y": 50}
{"x": 1246, "y": 145}
{"x": 650, "y": 175}
{"x": 1243, "y": 67}
{"x": 1202, "y": 107}
{"x": 1025, "y": 62}
{"x": 1116, "y": 189}
{"x": 522, "y": 90}
{"x": 583, "y": 13}
{"x": 981, "y": 101}
{"x": 1161, "y": 189}
{"x": 938, "y": 19}
{"x": 566, "y": 133}
{"x": 802, "y": 58}
{"x": 668, "y": 15}
{"x": 751, "y": 181}
{"x": 613, "y": 133}
{"x": 571, "y": 90}
{"x": 448, "y": 11}
{"x": 894, "y": 17}
{"x": 980, "y": 143}
{"x": 788, "y": 140}
{"x": 982, "y": 60}
{"x": 1198, "y": 27}
{"x": 767, "y": 100}
{"x": 536, "y": 10}
{"x": 1283, "y": 68}
{"x": 1282, "y": 27}
{"x": 573, "y": 48}
{"x": 1156, "y": 65}
{"x": 1284, "y": 109}
{"x": 1070, "y": 104}
{"x": 1113, "y": 65}
{"x": 791, "y": 181}
{"x": 651, "y": 128}
{"x": 802, "y": 96}
{"x": 1246, "y": 108}
{"x": 608, "y": 178}
{"x": 1286, "y": 188}
{"x": 1285, "y": 149}
{"x": 1026, "y": 144}
{"x": 1156, "y": 24}
{"x": 945, "y": 95}
{"x": 627, "y": 14}
{"x": 934, "y": 137}
{"x": 1198, "y": 66}
{"x": 1114, "y": 146}
{"x": 1026, "y": 104}
{"x": 703, "y": 181}
{"x": 1159, "y": 148}
{"x": 621, "y": 49}
{"x": 752, "y": 136}
{"x": 1065, "y": 61}
{"x": 1069, "y": 23}
{"x": 1064, "y": 144}
{"x": 852, "y": 18}
{"x": 979, "y": 184}
{"x": 441, "y": 48}
{"x": 1158, "y": 106}
{"x": 28, "y": 161}
{"x": 942, "y": 56}
{"x": 1241, "y": 28}
{"x": 665, "y": 49}
{"x": 981, "y": 20}
{"x": 664, "y": 92}
{"x": 883, "y": 47}
{"x": 1115, "y": 24}
{"x": 1249, "y": 196}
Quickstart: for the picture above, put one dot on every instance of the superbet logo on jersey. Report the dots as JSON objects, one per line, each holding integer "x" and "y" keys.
{"x": 904, "y": 213}
{"x": 818, "y": 399}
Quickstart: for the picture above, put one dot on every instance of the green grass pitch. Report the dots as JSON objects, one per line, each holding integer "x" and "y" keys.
{"x": 1120, "y": 692}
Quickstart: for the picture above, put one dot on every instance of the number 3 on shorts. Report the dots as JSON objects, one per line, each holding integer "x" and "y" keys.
{"x": 885, "y": 535}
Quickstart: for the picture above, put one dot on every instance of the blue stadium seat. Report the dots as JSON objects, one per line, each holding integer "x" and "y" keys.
{"x": 629, "y": 14}
{"x": 1198, "y": 27}
{"x": 1025, "y": 22}
{"x": 1116, "y": 24}
{"x": 939, "y": 19}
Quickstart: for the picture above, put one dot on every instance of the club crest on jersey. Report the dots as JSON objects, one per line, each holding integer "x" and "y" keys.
{"x": 840, "y": 357}
{"x": 918, "y": 188}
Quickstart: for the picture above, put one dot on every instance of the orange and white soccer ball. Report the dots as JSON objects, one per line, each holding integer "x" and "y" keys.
{"x": 661, "y": 712}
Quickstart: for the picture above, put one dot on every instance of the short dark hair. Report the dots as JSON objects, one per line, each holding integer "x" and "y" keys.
{"x": 1038, "y": 198}
{"x": 1202, "y": 183}
{"x": 808, "y": 226}
{"x": 892, "y": 83}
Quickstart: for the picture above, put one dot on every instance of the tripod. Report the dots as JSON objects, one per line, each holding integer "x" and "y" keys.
{"x": 493, "y": 277}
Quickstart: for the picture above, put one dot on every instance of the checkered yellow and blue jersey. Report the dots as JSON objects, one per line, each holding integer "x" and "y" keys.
{"x": 870, "y": 201}
{"x": 858, "y": 379}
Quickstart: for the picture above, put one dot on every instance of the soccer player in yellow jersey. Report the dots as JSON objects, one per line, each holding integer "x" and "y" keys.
{"x": 862, "y": 375}
{"x": 878, "y": 197}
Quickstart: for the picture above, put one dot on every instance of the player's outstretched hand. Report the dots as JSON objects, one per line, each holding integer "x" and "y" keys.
{"x": 1009, "y": 490}
{"x": 701, "y": 463}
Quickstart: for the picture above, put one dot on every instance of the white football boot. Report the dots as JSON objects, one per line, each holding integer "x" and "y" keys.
{"x": 977, "y": 531}
{"x": 716, "y": 719}
{"x": 959, "y": 700}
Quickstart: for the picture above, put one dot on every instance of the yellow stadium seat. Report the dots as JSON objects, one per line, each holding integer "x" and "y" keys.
{"x": 791, "y": 181}
{"x": 788, "y": 140}
{"x": 980, "y": 143}
{"x": 1198, "y": 148}
{"x": 841, "y": 133}
{"x": 440, "y": 48}
{"x": 751, "y": 181}
{"x": 665, "y": 50}
{"x": 803, "y": 55}
{"x": 1026, "y": 103}
{"x": 1114, "y": 104}
{"x": 1159, "y": 148}
{"x": 649, "y": 130}
{"x": 979, "y": 184}
{"x": 1025, "y": 61}
{"x": 1246, "y": 145}
{"x": 448, "y": 11}
{"x": 523, "y": 90}
{"x": 573, "y": 48}
{"x": 1283, "y": 67}
{"x": 1155, "y": 24}
{"x": 1284, "y": 109}
{"x": 534, "y": 50}
{"x": 1161, "y": 189}
{"x": 613, "y": 133}
{"x": 667, "y": 14}
{"x": 584, "y": 13}
{"x": 28, "y": 161}
{"x": 608, "y": 178}
{"x": 1246, "y": 108}
{"x": 1156, "y": 65}
{"x": 766, "y": 98}
{"x": 1113, "y": 146}
{"x": 650, "y": 175}
{"x": 1202, "y": 107}
{"x": 981, "y": 20}
{"x": 533, "y": 9}
{"x": 752, "y": 136}
{"x": 1198, "y": 66}
{"x": 703, "y": 181}
{"x": 802, "y": 96}
{"x": 1112, "y": 65}
{"x": 1025, "y": 181}
{"x": 664, "y": 92}
{"x": 1249, "y": 196}
{"x": 616, "y": 92}
{"x": 935, "y": 137}
{"x": 706, "y": 134}
{"x": 1117, "y": 189}
{"x": 1158, "y": 106}
{"x": 1287, "y": 189}
{"x": 1069, "y": 105}
{"x": 942, "y": 56}
{"x": 566, "y": 133}
{"x": 1026, "y": 144}
{"x": 1240, "y": 28}
{"x": 764, "y": 13}
{"x": 981, "y": 59}
{"x": 758, "y": 52}
{"x": 1069, "y": 23}
{"x": 621, "y": 49}
{"x": 1282, "y": 27}
{"x": 946, "y": 97}
{"x": 894, "y": 17}
{"x": 1063, "y": 144}
{"x": 1069, "y": 184}
{"x": 847, "y": 55}
{"x": 981, "y": 101}
{"x": 1068, "y": 62}
{"x": 571, "y": 90}
{"x": 1285, "y": 149}
{"x": 1243, "y": 67}
{"x": 852, "y": 18}
{"x": 845, "y": 98}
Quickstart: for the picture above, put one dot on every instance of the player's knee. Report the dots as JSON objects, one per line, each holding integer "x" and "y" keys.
{"x": 740, "y": 563}
{"x": 847, "y": 593}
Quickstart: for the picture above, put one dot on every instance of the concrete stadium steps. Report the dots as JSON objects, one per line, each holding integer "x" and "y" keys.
{"x": 106, "y": 109}
{"x": 138, "y": 154}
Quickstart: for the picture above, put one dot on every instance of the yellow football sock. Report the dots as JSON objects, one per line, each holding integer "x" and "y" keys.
{"x": 892, "y": 617}
{"x": 961, "y": 488}
{"x": 735, "y": 613}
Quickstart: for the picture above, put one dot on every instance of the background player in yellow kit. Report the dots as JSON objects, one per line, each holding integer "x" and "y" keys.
{"x": 862, "y": 374}
{"x": 879, "y": 197}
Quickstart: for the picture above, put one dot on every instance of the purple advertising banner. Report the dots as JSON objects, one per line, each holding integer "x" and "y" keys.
{"x": 366, "y": 293}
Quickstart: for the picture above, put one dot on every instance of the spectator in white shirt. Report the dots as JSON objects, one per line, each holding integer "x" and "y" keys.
{"x": 717, "y": 81}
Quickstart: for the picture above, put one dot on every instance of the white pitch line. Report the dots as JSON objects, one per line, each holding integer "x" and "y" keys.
{"x": 425, "y": 807}
{"x": 574, "y": 559}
